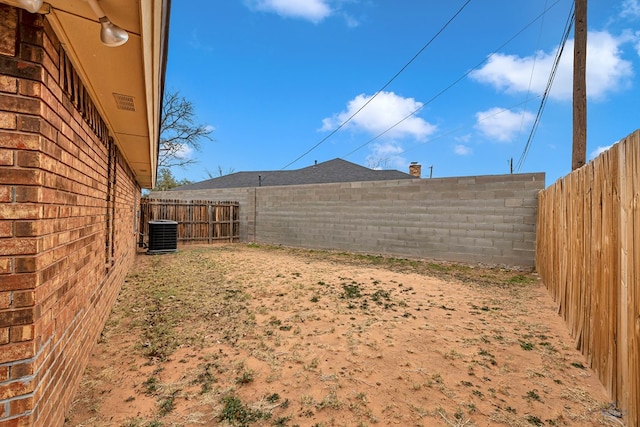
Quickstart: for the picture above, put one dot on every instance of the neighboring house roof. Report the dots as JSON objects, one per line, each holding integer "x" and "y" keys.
{"x": 336, "y": 170}
{"x": 126, "y": 82}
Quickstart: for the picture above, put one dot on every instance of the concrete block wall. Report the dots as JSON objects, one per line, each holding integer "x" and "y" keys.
{"x": 65, "y": 245}
{"x": 486, "y": 219}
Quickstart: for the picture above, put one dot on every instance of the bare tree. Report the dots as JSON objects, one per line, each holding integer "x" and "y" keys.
{"x": 378, "y": 163}
{"x": 220, "y": 172}
{"x": 179, "y": 133}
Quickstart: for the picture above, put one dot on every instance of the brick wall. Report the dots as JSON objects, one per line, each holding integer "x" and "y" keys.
{"x": 67, "y": 203}
{"x": 487, "y": 219}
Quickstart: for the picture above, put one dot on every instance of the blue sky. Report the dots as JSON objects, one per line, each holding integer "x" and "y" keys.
{"x": 273, "y": 78}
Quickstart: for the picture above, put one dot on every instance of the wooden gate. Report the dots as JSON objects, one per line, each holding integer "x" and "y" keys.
{"x": 199, "y": 221}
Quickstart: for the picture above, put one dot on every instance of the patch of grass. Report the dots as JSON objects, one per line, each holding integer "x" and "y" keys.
{"x": 521, "y": 278}
{"x": 533, "y": 420}
{"x": 167, "y": 404}
{"x": 330, "y": 401}
{"x": 281, "y": 422}
{"x": 205, "y": 379}
{"x": 245, "y": 377}
{"x": 527, "y": 346}
{"x": 532, "y": 395}
{"x": 351, "y": 290}
{"x": 151, "y": 385}
{"x": 273, "y": 398}
{"x": 236, "y": 413}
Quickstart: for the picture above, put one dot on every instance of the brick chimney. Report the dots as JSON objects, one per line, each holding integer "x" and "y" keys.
{"x": 415, "y": 169}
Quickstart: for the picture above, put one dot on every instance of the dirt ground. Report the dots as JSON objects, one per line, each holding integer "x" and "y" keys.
{"x": 244, "y": 335}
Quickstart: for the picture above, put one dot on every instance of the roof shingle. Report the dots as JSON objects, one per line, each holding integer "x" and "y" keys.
{"x": 336, "y": 170}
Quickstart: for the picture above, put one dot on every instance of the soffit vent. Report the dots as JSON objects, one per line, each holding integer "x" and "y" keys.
{"x": 124, "y": 102}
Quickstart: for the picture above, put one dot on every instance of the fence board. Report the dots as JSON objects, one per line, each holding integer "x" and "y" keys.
{"x": 199, "y": 221}
{"x": 588, "y": 255}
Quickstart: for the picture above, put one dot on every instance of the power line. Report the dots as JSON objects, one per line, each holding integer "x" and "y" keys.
{"x": 545, "y": 95}
{"x": 458, "y": 80}
{"x": 383, "y": 87}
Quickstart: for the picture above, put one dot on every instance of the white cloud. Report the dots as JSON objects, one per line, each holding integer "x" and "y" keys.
{"x": 463, "y": 138}
{"x": 630, "y": 8}
{"x": 350, "y": 21}
{"x": 462, "y": 150}
{"x": 601, "y": 149}
{"x": 183, "y": 152}
{"x": 385, "y": 110}
{"x": 606, "y": 70}
{"x": 311, "y": 10}
{"x": 196, "y": 42}
{"x": 502, "y": 125}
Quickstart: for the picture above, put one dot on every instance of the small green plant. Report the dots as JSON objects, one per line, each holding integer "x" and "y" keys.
{"x": 526, "y": 345}
{"x": 281, "y": 422}
{"x": 315, "y": 298}
{"x": 167, "y": 404}
{"x": 150, "y": 386}
{"x": 350, "y": 291}
{"x": 578, "y": 365}
{"x": 235, "y": 413}
{"x": 205, "y": 379}
{"x": 533, "y": 420}
{"x": 533, "y": 395}
{"x": 273, "y": 398}
{"x": 245, "y": 378}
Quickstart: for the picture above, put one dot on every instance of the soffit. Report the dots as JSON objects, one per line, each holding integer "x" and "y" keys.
{"x": 125, "y": 81}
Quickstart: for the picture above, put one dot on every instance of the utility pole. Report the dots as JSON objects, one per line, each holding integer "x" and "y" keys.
{"x": 579, "y": 151}
{"x": 430, "y": 171}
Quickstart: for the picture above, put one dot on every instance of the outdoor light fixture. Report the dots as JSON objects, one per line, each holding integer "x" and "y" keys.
{"x": 110, "y": 34}
{"x": 31, "y": 5}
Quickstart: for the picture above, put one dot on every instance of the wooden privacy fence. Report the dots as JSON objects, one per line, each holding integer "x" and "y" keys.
{"x": 588, "y": 255}
{"x": 199, "y": 221}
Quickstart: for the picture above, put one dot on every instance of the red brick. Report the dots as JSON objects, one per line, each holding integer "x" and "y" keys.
{"x": 20, "y": 370}
{"x": 8, "y": 120}
{"x": 20, "y": 211}
{"x": 14, "y": 282}
{"x": 27, "y": 194}
{"x": 20, "y": 104}
{"x": 8, "y": 84}
{"x": 5, "y": 194}
{"x": 16, "y": 351}
{"x": 23, "y": 299}
{"x": 6, "y": 157}
{"x": 5, "y": 300}
{"x": 23, "y": 246}
{"x": 8, "y": 30}
{"x": 29, "y": 159}
{"x": 30, "y": 88}
{"x": 20, "y": 176}
{"x": 6, "y": 230}
{"x": 25, "y": 265}
{"x": 22, "y": 333}
{"x": 4, "y": 373}
{"x": 4, "y": 336}
{"x": 27, "y": 228}
{"x": 24, "y": 421}
{"x": 5, "y": 268}
{"x": 16, "y": 317}
{"x": 16, "y": 388}
{"x": 20, "y": 406}
{"x": 24, "y": 141}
